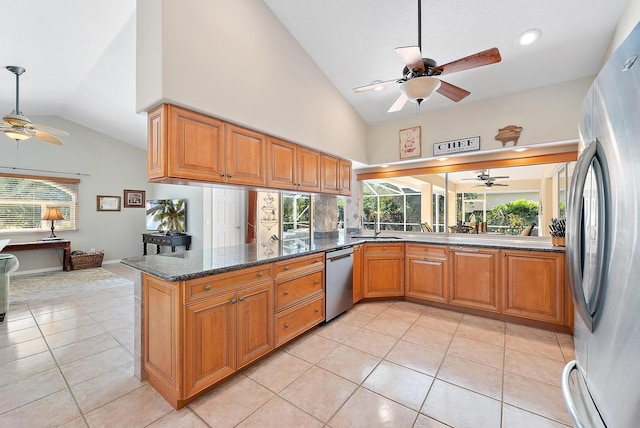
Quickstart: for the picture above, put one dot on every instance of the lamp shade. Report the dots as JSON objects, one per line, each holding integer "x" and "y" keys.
{"x": 52, "y": 214}
{"x": 419, "y": 89}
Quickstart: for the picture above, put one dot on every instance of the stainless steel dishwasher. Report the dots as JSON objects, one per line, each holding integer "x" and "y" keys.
{"x": 338, "y": 285}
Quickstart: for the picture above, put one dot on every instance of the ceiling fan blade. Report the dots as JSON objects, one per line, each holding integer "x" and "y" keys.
{"x": 48, "y": 138}
{"x": 412, "y": 57}
{"x": 48, "y": 130}
{"x": 500, "y": 176}
{"x": 374, "y": 86}
{"x": 453, "y": 92}
{"x": 490, "y": 56}
{"x": 398, "y": 104}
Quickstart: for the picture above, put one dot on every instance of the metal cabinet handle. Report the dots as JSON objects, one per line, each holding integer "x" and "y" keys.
{"x": 286, "y": 325}
{"x": 242, "y": 299}
{"x": 222, "y": 175}
{"x": 316, "y": 281}
{"x": 286, "y": 292}
{"x": 286, "y": 268}
{"x": 384, "y": 248}
{"x": 230, "y": 175}
{"x": 259, "y": 274}
{"x": 233, "y": 301}
{"x": 207, "y": 287}
{"x": 317, "y": 310}
{"x": 317, "y": 261}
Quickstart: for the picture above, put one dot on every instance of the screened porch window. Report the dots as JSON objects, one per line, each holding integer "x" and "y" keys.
{"x": 395, "y": 207}
{"x": 23, "y": 200}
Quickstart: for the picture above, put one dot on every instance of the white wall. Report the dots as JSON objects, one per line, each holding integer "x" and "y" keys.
{"x": 547, "y": 114}
{"x": 234, "y": 60}
{"x": 112, "y": 167}
{"x": 628, "y": 20}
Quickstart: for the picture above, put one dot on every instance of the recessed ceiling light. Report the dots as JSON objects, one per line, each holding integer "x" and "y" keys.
{"x": 528, "y": 37}
{"x": 443, "y": 159}
{"x": 520, "y": 149}
{"x": 384, "y": 165}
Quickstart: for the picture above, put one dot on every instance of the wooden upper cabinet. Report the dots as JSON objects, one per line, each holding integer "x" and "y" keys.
{"x": 330, "y": 180}
{"x": 246, "y": 153}
{"x": 281, "y": 164}
{"x": 345, "y": 177}
{"x": 533, "y": 285}
{"x": 196, "y": 145}
{"x": 474, "y": 277}
{"x": 308, "y": 169}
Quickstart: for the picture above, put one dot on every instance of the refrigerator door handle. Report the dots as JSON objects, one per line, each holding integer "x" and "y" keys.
{"x": 586, "y": 306}
{"x": 583, "y": 412}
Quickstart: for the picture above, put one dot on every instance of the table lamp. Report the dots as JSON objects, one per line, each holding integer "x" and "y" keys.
{"x": 52, "y": 214}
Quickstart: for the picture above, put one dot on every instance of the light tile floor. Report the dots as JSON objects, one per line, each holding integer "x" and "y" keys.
{"x": 68, "y": 362}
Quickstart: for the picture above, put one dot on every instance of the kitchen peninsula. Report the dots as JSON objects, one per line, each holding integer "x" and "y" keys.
{"x": 204, "y": 315}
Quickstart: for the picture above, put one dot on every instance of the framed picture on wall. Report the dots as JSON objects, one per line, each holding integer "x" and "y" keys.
{"x": 107, "y": 203}
{"x": 410, "y": 143}
{"x": 134, "y": 198}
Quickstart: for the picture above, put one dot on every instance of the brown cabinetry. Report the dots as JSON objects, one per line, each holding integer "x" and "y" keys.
{"x": 383, "y": 265}
{"x": 299, "y": 296}
{"x": 245, "y": 154}
{"x": 474, "y": 278}
{"x": 186, "y": 146}
{"x": 358, "y": 292}
{"x": 533, "y": 285}
{"x": 426, "y": 272}
{"x": 201, "y": 331}
{"x": 336, "y": 175}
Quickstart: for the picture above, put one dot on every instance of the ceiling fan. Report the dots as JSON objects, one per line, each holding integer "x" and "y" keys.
{"x": 487, "y": 180}
{"x": 418, "y": 81}
{"x": 19, "y": 127}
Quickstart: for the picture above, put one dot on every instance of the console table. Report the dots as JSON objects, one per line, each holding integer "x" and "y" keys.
{"x": 65, "y": 245}
{"x": 160, "y": 239}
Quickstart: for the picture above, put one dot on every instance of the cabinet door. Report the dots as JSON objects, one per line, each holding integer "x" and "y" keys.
{"x": 345, "y": 177}
{"x": 330, "y": 180}
{"x": 426, "y": 278}
{"x": 308, "y": 170}
{"x": 255, "y": 323}
{"x": 358, "y": 292}
{"x": 210, "y": 342}
{"x": 246, "y": 152}
{"x": 533, "y": 285}
{"x": 475, "y": 282}
{"x": 196, "y": 146}
{"x": 383, "y": 277}
{"x": 281, "y": 164}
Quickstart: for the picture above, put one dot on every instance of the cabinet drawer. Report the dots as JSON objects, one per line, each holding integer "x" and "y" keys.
{"x": 299, "y": 264}
{"x": 202, "y": 288}
{"x": 290, "y": 292}
{"x": 386, "y": 249}
{"x": 298, "y": 319}
{"x": 431, "y": 251}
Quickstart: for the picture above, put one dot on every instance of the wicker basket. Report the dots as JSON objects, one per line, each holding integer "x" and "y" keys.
{"x": 557, "y": 241}
{"x": 82, "y": 260}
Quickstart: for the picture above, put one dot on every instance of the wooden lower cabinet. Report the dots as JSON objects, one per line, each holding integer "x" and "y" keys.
{"x": 383, "y": 265}
{"x": 474, "y": 278}
{"x": 426, "y": 272}
{"x": 199, "y": 332}
{"x": 292, "y": 322}
{"x": 210, "y": 342}
{"x": 533, "y": 285}
{"x": 358, "y": 292}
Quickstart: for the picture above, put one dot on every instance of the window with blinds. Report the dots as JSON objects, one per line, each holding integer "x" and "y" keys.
{"x": 23, "y": 200}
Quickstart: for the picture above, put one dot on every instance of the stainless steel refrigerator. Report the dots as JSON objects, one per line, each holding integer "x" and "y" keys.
{"x": 602, "y": 387}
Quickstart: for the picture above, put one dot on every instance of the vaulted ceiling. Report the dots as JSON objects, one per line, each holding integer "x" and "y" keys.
{"x": 80, "y": 56}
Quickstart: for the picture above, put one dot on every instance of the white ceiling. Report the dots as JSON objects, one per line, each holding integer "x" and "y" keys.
{"x": 80, "y": 55}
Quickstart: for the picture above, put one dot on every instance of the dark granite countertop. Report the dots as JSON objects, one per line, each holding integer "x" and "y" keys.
{"x": 193, "y": 264}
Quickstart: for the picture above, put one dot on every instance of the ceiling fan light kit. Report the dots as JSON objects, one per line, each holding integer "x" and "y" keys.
{"x": 19, "y": 127}
{"x": 420, "y": 88}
